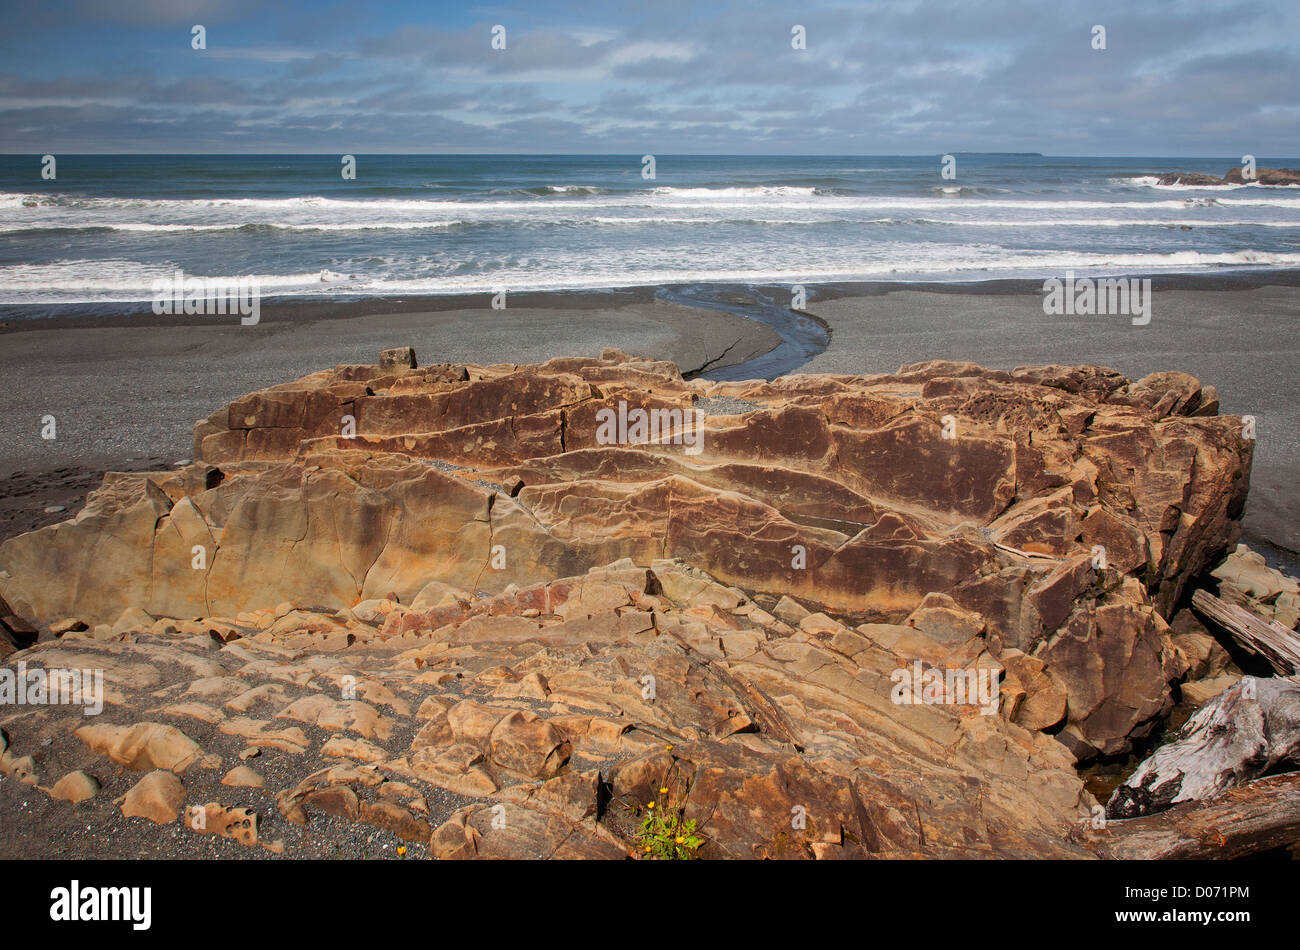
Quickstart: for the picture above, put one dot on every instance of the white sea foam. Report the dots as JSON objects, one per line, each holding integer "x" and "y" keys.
{"x": 328, "y": 210}
{"x": 633, "y": 232}
{"x": 146, "y": 228}
{"x": 1153, "y": 181}
{"x": 83, "y": 281}
{"x": 631, "y": 220}
{"x": 761, "y": 191}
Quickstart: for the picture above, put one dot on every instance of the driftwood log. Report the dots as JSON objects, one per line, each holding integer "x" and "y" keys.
{"x": 1258, "y": 816}
{"x": 1277, "y": 644}
{"x": 1244, "y": 732}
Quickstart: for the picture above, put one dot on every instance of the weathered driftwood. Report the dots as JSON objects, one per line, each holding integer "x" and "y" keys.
{"x": 1239, "y": 735}
{"x": 1258, "y": 816}
{"x": 1277, "y": 644}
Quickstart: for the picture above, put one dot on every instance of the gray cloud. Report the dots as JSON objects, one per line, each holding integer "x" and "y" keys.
{"x": 1199, "y": 77}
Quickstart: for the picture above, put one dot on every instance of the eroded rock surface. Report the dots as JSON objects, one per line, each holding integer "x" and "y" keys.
{"x": 1246, "y": 579}
{"x": 451, "y": 576}
{"x": 541, "y": 722}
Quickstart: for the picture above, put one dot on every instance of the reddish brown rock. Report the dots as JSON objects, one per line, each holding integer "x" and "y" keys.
{"x": 524, "y": 743}
{"x": 1264, "y": 176}
{"x": 394, "y": 818}
{"x": 1057, "y": 511}
{"x": 520, "y": 833}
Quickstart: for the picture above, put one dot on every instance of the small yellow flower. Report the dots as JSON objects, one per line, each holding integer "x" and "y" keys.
{"x": 401, "y": 850}
{"x": 647, "y": 849}
{"x": 663, "y": 791}
{"x": 668, "y": 748}
{"x": 651, "y": 806}
{"x": 681, "y": 840}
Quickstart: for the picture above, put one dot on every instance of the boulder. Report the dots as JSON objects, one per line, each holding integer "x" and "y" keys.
{"x": 158, "y": 796}
{"x": 75, "y": 787}
{"x": 241, "y": 776}
{"x": 1264, "y": 176}
{"x": 524, "y": 743}
{"x": 225, "y": 821}
{"x": 143, "y": 746}
{"x": 1189, "y": 178}
{"x": 397, "y": 359}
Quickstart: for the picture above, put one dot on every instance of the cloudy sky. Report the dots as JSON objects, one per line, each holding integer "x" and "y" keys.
{"x": 1178, "y": 77}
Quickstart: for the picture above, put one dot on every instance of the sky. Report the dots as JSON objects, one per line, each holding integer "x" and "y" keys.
{"x": 1177, "y": 77}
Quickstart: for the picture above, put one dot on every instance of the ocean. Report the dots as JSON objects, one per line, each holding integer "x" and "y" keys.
{"x": 107, "y": 227}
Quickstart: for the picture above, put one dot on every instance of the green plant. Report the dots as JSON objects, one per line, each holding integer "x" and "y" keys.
{"x": 666, "y": 836}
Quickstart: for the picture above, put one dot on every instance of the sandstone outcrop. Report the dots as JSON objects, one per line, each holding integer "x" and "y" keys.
{"x": 550, "y": 590}
{"x": 1258, "y": 607}
{"x": 541, "y": 722}
{"x": 1246, "y": 579}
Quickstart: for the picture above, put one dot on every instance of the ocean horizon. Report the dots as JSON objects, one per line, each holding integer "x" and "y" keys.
{"x": 109, "y": 226}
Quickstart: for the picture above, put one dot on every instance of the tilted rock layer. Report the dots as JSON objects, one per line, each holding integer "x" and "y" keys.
{"x": 542, "y": 722}
{"x": 1041, "y": 523}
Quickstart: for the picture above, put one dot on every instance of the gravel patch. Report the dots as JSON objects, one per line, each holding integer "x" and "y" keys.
{"x": 725, "y": 405}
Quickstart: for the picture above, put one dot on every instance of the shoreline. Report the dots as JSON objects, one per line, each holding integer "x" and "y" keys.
{"x": 290, "y": 306}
